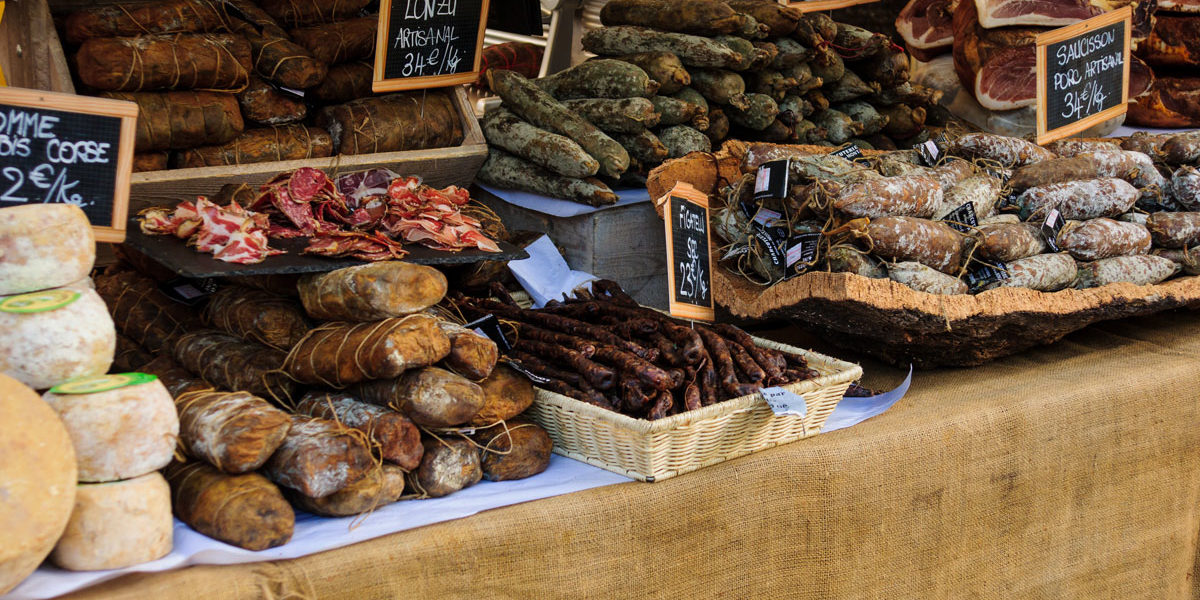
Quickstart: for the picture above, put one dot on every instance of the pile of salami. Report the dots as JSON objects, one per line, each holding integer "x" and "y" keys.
{"x": 238, "y": 82}
{"x": 677, "y": 77}
{"x": 993, "y": 211}
{"x": 335, "y": 394}
{"x": 993, "y": 41}
{"x": 604, "y": 349}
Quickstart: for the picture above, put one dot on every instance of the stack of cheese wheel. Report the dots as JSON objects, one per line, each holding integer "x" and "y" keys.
{"x": 55, "y": 332}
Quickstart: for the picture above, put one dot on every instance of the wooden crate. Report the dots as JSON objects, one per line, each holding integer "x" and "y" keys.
{"x": 438, "y": 167}
{"x": 625, "y": 244}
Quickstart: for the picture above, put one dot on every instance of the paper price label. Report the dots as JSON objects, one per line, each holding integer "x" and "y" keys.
{"x": 784, "y": 402}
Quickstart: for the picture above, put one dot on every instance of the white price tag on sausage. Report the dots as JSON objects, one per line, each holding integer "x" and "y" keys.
{"x": 784, "y": 402}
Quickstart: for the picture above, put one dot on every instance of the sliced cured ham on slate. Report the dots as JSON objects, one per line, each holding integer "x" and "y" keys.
{"x": 927, "y": 27}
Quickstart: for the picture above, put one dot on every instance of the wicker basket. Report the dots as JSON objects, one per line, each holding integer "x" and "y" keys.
{"x": 656, "y": 450}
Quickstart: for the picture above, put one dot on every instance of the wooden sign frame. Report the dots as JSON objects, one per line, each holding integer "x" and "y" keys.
{"x": 1043, "y": 40}
{"x": 686, "y": 310}
{"x": 114, "y": 232}
{"x": 380, "y": 84}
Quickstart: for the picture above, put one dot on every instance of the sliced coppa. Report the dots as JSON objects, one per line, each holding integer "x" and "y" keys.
{"x": 1175, "y": 229}
{"x": 905, "y": 195}
{"x": 1079, "y": 200}
{"x": 1144, "y": 269}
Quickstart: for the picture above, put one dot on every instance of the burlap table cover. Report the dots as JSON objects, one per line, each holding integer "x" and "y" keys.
{"x": 1071, "y": 471}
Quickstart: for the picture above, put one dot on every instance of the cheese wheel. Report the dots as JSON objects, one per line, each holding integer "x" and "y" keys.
{"x": 51, "y": 336}
{"x": 117, "y": 524}
{"x": 122, "y": 425}
{"x": 37, "y": 481}
{"x": 44, "y": 246}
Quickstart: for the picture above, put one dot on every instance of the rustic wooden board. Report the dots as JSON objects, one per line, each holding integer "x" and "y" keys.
{"x": 438, "y": 167}
{"x": 30, "y": 52}
{"x": 897, "y": 324}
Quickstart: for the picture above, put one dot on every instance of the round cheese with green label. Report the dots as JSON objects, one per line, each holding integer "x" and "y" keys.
{"x": 51, "y": 336}
{"x": 122, "y": 425}
{"x": 44, "y": 246}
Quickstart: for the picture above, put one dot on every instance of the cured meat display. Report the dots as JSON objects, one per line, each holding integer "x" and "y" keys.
{"x": 973, "y": 220}
{"x": 262, "y": 429}
{"x": 248, "y": 81}
{"x": 1173, "y": 52}
{"x": 992, "y": 41}
{"x": 367, "y": 215}
{"x": 673, "y": 78}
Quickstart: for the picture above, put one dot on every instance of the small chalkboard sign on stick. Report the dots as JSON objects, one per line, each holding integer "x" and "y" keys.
{"x": 689, "y": 274}
{"x": 68, "y": 149}
{"x": 428, "y": 43}
{"x": 808, "y": 6}
{"x": 1082, "y": 74}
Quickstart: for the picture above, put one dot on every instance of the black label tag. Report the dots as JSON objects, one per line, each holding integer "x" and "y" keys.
{"x": 518, "y": 367}
{"x": 850, "y": 152}
{"x": 1009, "y": 202}
{"x": 962, "y": 218}
{"x": 772, "y": 245}
{"x": 1051, "y": 226}
{"x": 490, "y": 327}
{"x": 998, "y": 172}
{"x": 802, "y": 253}
{"x": 191, "y": 292}
{"x": 771, "y": 181}
{"x": 980, "y": 276}
{"x": 930, "y": 153}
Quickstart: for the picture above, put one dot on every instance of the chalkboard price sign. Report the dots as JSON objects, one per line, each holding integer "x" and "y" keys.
{"x": 688, "y": 246}
{"x": 428, "y": 43}
{"x": 67, "y": 149}
{"x": 1082, "y": 74}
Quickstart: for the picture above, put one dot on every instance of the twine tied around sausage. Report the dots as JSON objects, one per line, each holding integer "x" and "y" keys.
{"x": 319, "y": 336}
{"x": 145, "y": 293}
{"x": 179, "y": 477}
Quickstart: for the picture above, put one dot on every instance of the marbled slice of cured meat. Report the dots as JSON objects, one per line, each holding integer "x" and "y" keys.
{"x": 927, "y": 27}
{"x": 1008, "y": 80}
{"x": 1046, "y": 13}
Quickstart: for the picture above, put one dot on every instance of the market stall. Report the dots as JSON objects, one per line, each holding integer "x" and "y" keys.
{"x": 1067, "y": 471}
{"x": 281, "y": 315}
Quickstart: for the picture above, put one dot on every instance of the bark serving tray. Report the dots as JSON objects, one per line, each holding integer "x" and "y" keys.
{"x": 899, "y": 325}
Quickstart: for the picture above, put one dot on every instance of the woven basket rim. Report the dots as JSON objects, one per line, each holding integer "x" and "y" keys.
{"x": 837, "y": 372}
